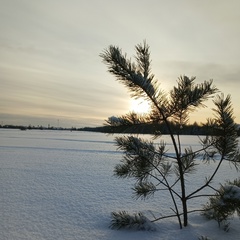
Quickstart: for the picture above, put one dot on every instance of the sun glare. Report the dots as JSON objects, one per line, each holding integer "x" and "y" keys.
{"x": 139, "y": 106}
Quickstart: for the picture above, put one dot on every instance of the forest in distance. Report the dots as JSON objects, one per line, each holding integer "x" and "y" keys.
{"x": 189, "y": 129}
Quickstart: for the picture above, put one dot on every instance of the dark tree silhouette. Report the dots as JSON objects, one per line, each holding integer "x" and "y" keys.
{"x": 150, "y": 165}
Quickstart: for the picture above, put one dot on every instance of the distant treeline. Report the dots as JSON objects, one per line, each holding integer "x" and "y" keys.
{"x": 190, "y": 129}
{"x": 33, "y": 127}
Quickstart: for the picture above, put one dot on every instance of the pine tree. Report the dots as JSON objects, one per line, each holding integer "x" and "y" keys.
{"x": 150, "y": 165}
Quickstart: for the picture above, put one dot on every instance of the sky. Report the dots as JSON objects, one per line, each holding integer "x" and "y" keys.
{"x": 51, "y": 72}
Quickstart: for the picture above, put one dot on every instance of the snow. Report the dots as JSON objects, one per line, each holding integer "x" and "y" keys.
{"x": 60, "y": 185}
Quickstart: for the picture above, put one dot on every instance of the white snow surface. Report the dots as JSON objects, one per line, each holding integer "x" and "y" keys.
{"x": 60, "y": 185}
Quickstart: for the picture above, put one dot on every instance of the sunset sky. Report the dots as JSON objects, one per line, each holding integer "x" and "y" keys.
{"x": 51, "y": 72}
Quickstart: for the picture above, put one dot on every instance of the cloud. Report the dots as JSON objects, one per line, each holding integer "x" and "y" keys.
{"x": 203, "y": 70}
{"x": 50, "y": 62}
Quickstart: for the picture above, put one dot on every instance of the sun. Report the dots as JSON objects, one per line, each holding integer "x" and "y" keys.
{"x": 139, "y": 106}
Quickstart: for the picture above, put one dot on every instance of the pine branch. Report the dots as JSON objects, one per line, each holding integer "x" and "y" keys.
{"x": 225, "y": 130}
{"x": 175, "y": 215}
{"x": 136, "y": 78}
{"x": 143, "y": 60}
{"x": 144, "y": 189}
{"x": 136, "y": 221}
{"x": 187, "y": 96}
{"x": 140, "y": 160}
{"x": 134, "y": 123}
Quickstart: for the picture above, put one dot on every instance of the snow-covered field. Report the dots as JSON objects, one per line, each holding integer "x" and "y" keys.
{"x": 60, "y": 185}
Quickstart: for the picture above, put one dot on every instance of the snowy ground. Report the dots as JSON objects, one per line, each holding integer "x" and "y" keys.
{"x": 60, "y": 185}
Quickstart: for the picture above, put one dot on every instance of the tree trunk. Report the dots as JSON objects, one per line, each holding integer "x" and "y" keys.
{"x": 184, "y": 199}
{"x": 185, "y": 213}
